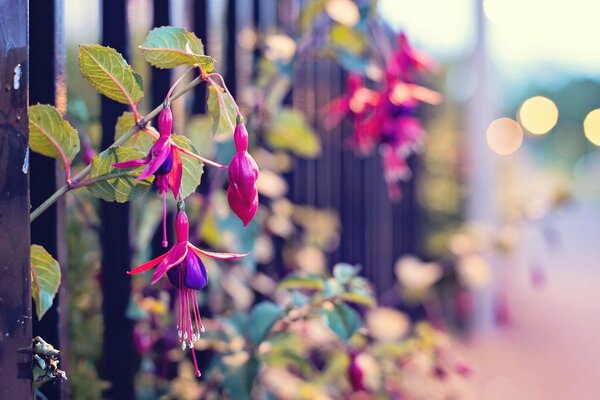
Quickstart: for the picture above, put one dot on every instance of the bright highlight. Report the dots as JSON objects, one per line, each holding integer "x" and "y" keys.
{"x": 591, "y": 126}
{"x": 344, "y": 12}
{"x": 538, "y": 115}
{"x": 504, "y": 136}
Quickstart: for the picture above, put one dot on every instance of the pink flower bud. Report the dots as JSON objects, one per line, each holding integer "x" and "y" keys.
{"x": 355, "y": 373}
{"x": 182, "y": 227}
{"x": 165, "y": 121}
{"x": 240, "y": 138}
{"x": 88, "y": 152}
{"x": 243, "y": 173}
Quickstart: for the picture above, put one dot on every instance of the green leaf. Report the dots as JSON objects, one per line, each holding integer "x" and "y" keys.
{"x": 49, "y": 131}
{"x": 109, "y": 73}
{"x": 140, "y": 140}
{"x": 341, "y": 319}
{"x": 344, "y": 272}
{"x": 169, "y": 47}
{"x": 262, "y": 318}
{"x": 302, "y": 282}
{"x": 289, "y": 130}
{"x": 332, "y": 288}
{"x": 45, "y": 279}
{"x": 221, "y": 106}
{"x": 192, "y": 168}
{"x": 123, "y": 186}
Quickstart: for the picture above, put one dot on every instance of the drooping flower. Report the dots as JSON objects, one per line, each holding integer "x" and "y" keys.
{"x": 356, "y": 374}
{"x": 242, "y": 193}
{"x": 164, "y": 162}
{"x": 185, "y": 270}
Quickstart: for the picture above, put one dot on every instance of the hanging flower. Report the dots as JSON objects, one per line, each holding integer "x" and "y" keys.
{"x": 186, "y": 271}
{"x": 164, "y": 162}
{"x": 242, "y": 193}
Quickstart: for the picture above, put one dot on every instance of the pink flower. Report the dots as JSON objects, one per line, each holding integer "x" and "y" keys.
{"x": 242, "y": 193}
{"x": 186, "y": 271}
{"x": 355, "y": 372}
{"x": 164, "y": 162}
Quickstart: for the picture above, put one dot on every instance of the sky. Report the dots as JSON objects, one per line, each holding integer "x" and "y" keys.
{"x": 527, "y": 38}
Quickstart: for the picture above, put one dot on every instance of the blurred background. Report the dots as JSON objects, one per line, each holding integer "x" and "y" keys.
{"x": 492, "y": 239}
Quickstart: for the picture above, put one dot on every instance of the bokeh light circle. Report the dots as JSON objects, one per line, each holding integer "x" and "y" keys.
{"x": 504, "y": 136}
{"x": 538, "y": 115}
{"x": 344, "y": 12}
{"x": 591, "y": 126}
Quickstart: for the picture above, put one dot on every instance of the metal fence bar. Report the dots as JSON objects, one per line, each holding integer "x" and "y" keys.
{"x": 15, "y": 295}
{"x": 118, "y": 356}
{"x": 47, "y": 85}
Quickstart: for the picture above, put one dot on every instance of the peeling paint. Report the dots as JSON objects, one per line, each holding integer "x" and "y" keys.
{"x": 25, "y": 168}
{"x": 17, "y": 77}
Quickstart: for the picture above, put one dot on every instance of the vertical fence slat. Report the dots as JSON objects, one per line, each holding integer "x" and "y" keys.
{"x": 47, "y": 85}
{"x": 118, "y": 356}
{"x": 15, "y": 295}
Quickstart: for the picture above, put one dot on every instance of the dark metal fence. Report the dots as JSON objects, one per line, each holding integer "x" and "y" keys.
{"x": 375, "y": 231}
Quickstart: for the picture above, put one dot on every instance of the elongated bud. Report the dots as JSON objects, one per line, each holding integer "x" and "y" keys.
{"x": 165, "y": 121}
{"x": 88, "y": 152}
{"x": 182, "y": 227}
{"x": 355, "y": 372}
{"x": 242, "y": 193}
{"x": 240, "y": 137}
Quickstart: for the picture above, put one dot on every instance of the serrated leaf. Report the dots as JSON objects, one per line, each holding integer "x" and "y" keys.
{"x": 124, "y": 186}
{"x": 109, "y": 73}
{"x": 45, "y": 279}
{"x": 140, "y": 140}
{"x": 192, "y": 168}
{"x": 289, "y": 130}
{"x": 169, "y": 47}
{"x": 49, "y": 131}
{"x": 341, "y": 319}
{"x": 262, "y": 318}
{"x": 344, "y": 272}
{"x": 302, "y": 282}
{"x": 223, "y": 110}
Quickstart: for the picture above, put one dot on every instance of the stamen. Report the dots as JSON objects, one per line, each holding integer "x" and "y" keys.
{"x": 165, "y": 243}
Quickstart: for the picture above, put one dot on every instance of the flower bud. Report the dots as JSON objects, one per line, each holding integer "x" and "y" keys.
{"x": 88, "y": 152}
{"x": 182, "y": 227}
{"x": 240, "y": 137}
{"x": 165, "y": 121}
{"x": 355, "y": 372}
{"x": 243, "y": 173}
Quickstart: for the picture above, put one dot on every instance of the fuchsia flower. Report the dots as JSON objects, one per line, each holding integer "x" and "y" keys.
{"x": 242, "y": 193}
{"x": 356, "y": 374}
{"x": 185, "y": 270}
{"x": 164, "y": 162}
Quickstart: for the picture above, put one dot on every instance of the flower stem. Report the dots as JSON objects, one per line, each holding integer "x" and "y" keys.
{"x": 85, "y": 171}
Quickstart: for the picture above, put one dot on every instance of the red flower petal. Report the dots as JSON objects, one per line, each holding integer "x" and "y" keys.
{"x": 176, "y": 256}
{"x": 220, "y": 256}
{"x": 147, "y": 265}
{"x": 129, "y": 164}
{"x": 174, "y": 177}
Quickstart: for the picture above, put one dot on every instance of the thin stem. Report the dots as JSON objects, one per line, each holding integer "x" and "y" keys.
{"x": 85, "y": 171}
{"x": 97, "y": 179}
{"x": 237, "y": 108}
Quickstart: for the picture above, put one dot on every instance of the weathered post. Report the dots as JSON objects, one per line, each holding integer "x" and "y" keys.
{"x": 15, "y": 295}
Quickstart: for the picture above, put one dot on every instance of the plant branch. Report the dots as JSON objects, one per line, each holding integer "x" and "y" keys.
{"x": 85, "y": 171}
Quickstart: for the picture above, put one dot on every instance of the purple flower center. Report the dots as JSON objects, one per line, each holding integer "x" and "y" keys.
{"x": 191, "y": 271}
{"x": 166, "y": 166}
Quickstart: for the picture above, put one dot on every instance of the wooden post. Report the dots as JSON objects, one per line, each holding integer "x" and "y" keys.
{"x": 118, "y": 355}
{"x": 15, "y": 295}
{"x": 47, "y": 85}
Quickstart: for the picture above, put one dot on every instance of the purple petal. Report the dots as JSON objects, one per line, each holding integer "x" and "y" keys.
{"x": 159, "y": 153}
{"x": 195, "y": 272}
